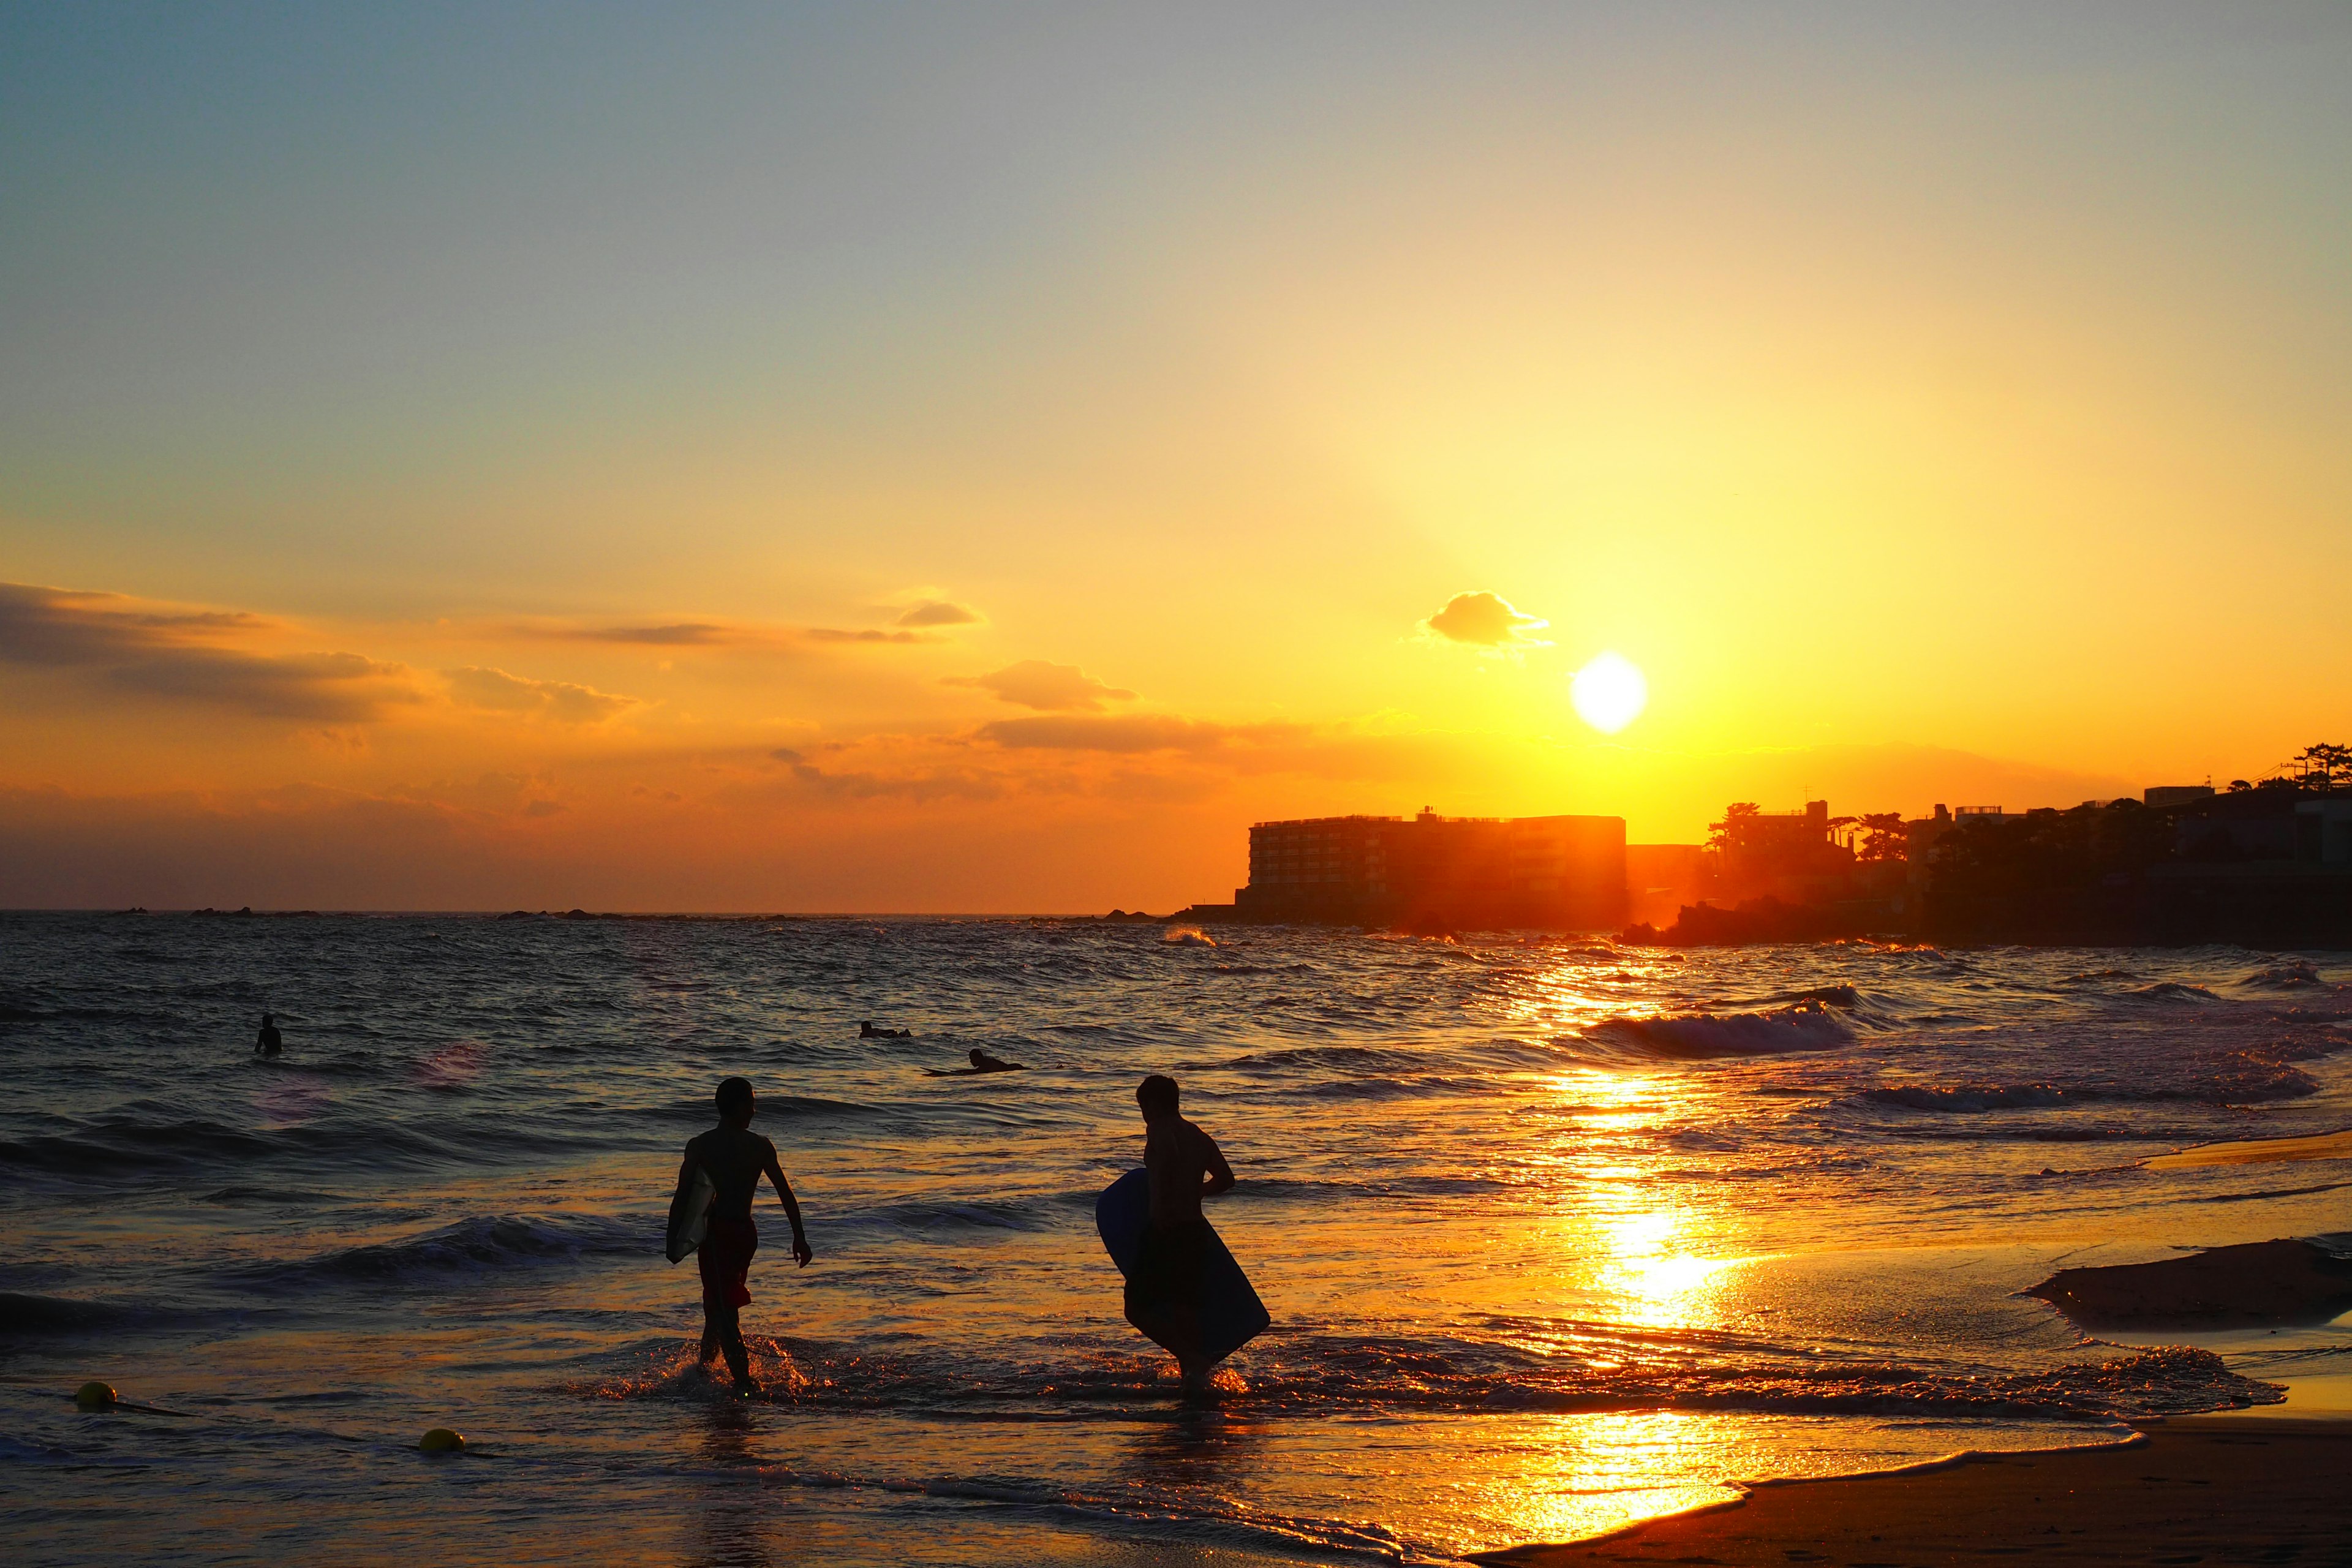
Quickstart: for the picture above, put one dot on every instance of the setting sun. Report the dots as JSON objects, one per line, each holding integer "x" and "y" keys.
{"x": 1609, "y": 693}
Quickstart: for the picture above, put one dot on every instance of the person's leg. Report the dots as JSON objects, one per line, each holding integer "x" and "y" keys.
{"x": 739, "y": 1358}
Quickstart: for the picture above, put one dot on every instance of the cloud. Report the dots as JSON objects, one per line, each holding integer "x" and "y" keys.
{"x": 726, "y": 634}
{"x": 940, "y": 613}
{"x": 1129, "y": 734}
{"x": 561, "y": 701}
{"x": 1485, "y": 620}
{"x": 1048, "y": 688}
{"x": 678, "y": 634}
{"x": 831, "y": 633}
{"x": 164, "y": 654}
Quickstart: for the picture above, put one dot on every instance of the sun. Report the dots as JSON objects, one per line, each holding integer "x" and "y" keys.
{"x": 1609, "y": 693}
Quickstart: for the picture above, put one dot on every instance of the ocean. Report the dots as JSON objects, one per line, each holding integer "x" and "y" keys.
{"x": 1556, "y": 1234}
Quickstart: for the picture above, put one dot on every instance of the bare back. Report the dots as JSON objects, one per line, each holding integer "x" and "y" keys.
{"x": 1184, "y": 1164}
{"x": 736, "y": 1158}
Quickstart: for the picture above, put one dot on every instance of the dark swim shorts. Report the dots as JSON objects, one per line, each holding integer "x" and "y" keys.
{"x": 1169, "y": 1264}
{"x": 725, "y": 1261}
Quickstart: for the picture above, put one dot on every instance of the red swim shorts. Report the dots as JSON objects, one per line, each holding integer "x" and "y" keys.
{"x": 725, "y": 1261}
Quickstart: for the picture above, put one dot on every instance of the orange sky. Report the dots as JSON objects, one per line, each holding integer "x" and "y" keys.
{"x": 796, "y": 462}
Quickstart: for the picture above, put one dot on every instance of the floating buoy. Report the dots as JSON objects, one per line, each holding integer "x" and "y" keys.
{"x": 441, "y": 1440}
{"x": 95, "y": 1395}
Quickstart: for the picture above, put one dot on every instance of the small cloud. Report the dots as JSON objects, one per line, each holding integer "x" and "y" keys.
{"x": 676, "y": 634}
{"x": 561, "y": 701}
{"x": 1048, "y": 688}
{"x": 1485, "y": 620}
{"x": 542, "y": 808}
{"x": 832, "y": 633}
{"x": 940, "y": 613}
{"x": 787, "y": 754}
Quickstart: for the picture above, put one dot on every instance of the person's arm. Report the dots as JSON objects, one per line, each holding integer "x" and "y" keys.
{"x": 686, "y": 1169}
{"x": 1221, "y": 1175}
{"x": 791, "y": 1208}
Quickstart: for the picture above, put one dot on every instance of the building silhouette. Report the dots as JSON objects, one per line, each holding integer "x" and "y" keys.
{"x": 1440, "y": 873}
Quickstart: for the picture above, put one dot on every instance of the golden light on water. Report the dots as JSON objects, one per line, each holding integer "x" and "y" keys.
{"x": 1659, "y": 1284}
{"x": 1609, "y": 693}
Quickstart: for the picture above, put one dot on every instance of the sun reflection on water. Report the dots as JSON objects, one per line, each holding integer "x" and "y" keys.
{"x": 1581, "y": 1475}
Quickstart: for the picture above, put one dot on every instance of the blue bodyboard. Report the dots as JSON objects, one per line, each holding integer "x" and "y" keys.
{"x": 1231, "y": 1313}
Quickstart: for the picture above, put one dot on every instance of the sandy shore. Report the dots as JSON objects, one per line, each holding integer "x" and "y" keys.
{"x": 2259, "y": 1152}
{"x": 2206, "y": 1489}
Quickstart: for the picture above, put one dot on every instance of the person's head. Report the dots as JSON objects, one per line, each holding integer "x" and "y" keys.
{"x": 268, "y": 1019}
{"x": 1157, "y": 1096}
{"x": 735, "y": 1101}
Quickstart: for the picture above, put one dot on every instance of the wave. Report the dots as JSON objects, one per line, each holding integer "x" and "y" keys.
{"x": 1318, "y": 1375}
{"x": 1810, "y": 1026}
{"x": 1845, "y": 998}
{"x": 303, "y": 1130}
{"x": 482, "y": 1245}
{"x": 2174, "y": 991}
{"x": 28, "y": 1316}
{"x": 1961, "y": 1098}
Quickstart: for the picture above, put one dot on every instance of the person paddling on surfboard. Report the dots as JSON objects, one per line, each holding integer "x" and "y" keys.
{"x": 733, "y": 1158}
{"x": 1184, "y": 1166}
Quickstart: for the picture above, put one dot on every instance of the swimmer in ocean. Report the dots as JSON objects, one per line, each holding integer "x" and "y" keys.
{"x": 1184, "y": 1165}
{"x": 980, "y": 1062}
{"x": 735, "y": 1158}
{"x": 269, "y": 1042}
{"x": 866, "y": 1031}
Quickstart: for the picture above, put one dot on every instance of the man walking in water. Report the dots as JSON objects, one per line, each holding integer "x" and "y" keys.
{"x": 1184, "y": 1165}
{"x": 735, "y": 1158}
{"x": 269, "y": 1042}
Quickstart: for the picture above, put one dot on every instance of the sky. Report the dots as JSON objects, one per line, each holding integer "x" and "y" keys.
{"x": 960, "y": 459}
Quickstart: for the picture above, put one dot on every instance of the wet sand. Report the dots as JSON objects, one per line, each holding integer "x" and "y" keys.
{"x": 2259, "y": 1152}
{"x": 2203, "y": 1489}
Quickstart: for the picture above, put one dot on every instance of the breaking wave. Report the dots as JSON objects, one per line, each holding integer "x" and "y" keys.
{"x": 1808, "y": 1026}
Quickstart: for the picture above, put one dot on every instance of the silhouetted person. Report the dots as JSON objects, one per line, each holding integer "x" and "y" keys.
{"x": 866, "y": 1031}
{"x": 1184, "y": 1166}
{"x": 980, "y": 1062}
{"x": 269, "y": 1042}
{"x": 735, "y": 1158}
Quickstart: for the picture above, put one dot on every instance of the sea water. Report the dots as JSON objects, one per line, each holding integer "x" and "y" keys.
{"x": 1556, "y": 1234}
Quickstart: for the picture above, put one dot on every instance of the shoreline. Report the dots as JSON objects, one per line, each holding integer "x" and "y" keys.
{"x": 2222, "y": 1488}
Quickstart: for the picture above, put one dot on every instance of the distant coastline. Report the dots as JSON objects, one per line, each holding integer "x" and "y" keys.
{"x": 2266, "y": 865}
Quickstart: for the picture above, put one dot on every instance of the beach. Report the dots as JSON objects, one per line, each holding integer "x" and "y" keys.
{"x": 2204, "y": 1490}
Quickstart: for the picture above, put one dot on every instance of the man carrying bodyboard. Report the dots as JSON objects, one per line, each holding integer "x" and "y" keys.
{"x": 732, "y": 1158}
{"x": 1165, "y": 1288}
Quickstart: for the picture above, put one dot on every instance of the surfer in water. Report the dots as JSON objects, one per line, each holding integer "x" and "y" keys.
{"x": 734, "y": 1158}
{"x": 269, "y": 1042}
{"x": 980, "y": 1062}
{"x": 866, "y": 1031}
{"x": 1184, "y": 1165}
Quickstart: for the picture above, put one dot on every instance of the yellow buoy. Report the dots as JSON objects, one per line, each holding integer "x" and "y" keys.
{"x": 94, "y": 1395}
{"x": 441, "y": 1440}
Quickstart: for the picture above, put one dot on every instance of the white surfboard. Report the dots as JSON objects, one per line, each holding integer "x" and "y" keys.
{"x": 689, "y": 1218}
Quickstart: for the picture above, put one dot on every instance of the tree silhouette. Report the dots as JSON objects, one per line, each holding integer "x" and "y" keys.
{"x": 1718, "y": 834}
